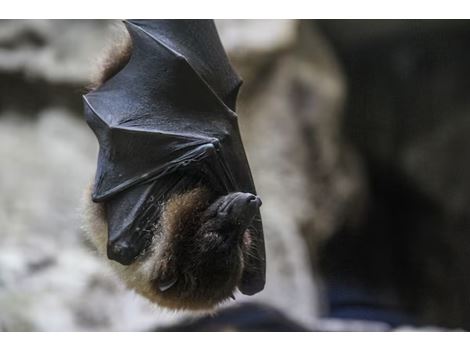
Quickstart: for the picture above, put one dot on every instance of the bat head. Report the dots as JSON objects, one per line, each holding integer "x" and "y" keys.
{"x": 199, "y": 250}
{"x": 205, "y": 254}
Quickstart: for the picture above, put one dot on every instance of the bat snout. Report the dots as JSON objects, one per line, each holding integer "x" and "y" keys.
{"x": 252, "y": 199}
{"x": 243, "y": 207}
{"x": 239, "y": 202}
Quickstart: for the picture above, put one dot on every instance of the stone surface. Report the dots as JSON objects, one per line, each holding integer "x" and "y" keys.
{"x": 55, "y": 51}
{"x": 49, "y": 280}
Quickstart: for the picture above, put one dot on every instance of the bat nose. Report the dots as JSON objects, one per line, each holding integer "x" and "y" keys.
{"x": 252, "y": 199}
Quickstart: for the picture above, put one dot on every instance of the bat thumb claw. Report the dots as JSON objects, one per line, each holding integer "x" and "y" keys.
{"x": 164, "y": 285}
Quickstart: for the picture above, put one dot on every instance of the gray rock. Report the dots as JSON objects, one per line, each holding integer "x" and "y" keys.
{"x": 49, "y": 280}
{"x": 52, "y": 50}
{"x": 308, "y": 180}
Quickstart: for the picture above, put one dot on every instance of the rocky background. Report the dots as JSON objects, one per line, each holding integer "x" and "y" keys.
{"x": 356, "y": 135}
{"x": 408, "y": 115}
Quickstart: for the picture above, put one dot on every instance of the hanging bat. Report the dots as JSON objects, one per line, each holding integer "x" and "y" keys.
{"x": 175, "y": 208}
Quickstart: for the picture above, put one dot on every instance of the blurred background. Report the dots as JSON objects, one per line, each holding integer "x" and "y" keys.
{"x": 357, "y": 135}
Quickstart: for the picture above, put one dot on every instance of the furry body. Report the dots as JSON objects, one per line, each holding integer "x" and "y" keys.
{"x": 171, "y": 161}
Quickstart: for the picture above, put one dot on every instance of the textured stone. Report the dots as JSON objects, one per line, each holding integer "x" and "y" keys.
{"x": 48, "y": 279}
{"x": 51, "y": 50}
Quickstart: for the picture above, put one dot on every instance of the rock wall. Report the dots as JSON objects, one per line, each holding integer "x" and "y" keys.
{"x": 409, "y": 116}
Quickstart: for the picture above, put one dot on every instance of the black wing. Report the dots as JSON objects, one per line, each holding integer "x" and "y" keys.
{"x": 158, "y": 112}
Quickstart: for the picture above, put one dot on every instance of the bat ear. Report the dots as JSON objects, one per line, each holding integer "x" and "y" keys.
{"x": 254, "y": 274}
{"x": 253, "y": 281}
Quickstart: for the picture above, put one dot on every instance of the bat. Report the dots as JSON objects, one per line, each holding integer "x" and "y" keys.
{"x": 173, "y": 189}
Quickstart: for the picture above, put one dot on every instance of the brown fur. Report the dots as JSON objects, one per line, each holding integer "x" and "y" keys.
{"x": 112, "y": 60}
{"x": 184, "y": 206}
